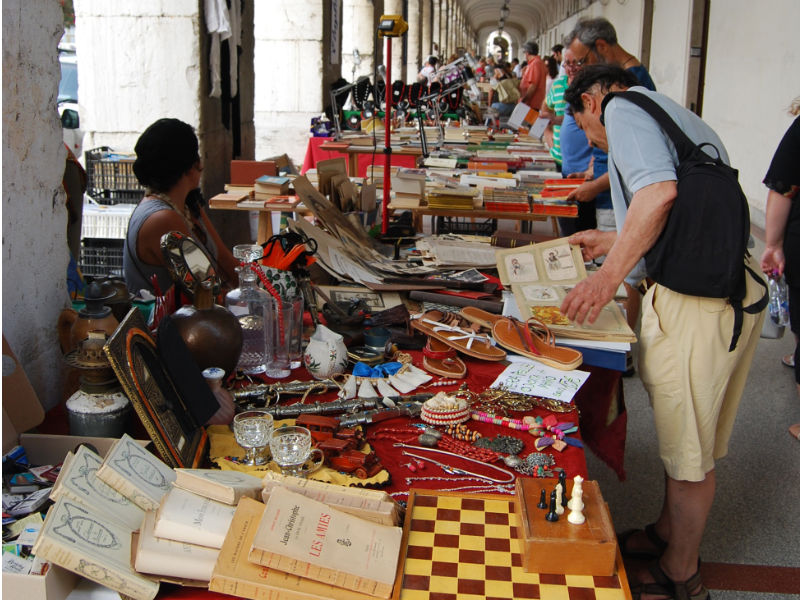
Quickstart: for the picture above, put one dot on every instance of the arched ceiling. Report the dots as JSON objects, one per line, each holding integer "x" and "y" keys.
{"x": 525, "y": 17}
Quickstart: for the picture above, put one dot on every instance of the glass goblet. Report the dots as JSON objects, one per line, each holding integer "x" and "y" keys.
{"x": 253, "y": 431}
{"x": 291, "y": 448}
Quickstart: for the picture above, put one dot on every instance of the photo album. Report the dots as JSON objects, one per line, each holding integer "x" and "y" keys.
{"x": 541, "y": 275}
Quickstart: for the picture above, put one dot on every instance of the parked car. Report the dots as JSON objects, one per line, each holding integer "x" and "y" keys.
{"x": 68, "y": 102}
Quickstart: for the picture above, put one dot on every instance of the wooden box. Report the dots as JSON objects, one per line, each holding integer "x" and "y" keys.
{"x": 561, "y": 547}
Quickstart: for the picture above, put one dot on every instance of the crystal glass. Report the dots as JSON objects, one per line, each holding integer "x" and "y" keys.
{"x": 247, "y": 253}
{"x": 278, "y": 363}
{"x": 253, "y": 432}
{"x": 291, "y": 448}
{"x": 295, "y": 332}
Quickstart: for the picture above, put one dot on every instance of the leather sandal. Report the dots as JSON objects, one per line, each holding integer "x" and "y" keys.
{"x": 677, "y": 590}
{"x": 650, "y": 532}
{"x": 441, "y": 359}
{"x": 532, "y": 339}
{"x": 450, "y": 329}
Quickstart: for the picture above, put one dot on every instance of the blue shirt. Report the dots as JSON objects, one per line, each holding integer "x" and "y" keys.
{"x": 575, "y": 149}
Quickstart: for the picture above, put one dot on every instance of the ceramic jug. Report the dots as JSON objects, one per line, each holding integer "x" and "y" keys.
{"x": 326, "y": 354}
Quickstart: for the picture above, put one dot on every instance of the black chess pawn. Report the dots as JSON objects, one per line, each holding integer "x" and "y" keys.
{"x": 562, "y": 479}
{"x": 542, "y": 499}
{"x": 551, "y": 515}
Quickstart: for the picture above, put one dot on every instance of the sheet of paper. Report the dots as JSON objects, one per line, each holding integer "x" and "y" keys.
{"x": 535, "y": 379}
{"x": 537, "y": 131}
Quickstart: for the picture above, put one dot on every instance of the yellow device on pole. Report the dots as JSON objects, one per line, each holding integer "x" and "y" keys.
{"x": 392, "y": 26}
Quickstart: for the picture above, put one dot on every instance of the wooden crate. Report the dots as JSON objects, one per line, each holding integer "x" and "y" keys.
{"x": 561, "y": 547}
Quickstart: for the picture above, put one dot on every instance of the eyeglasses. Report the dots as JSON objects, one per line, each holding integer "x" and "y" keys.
{"x": 571, "y": 64}
{"x": 582, "y": 61}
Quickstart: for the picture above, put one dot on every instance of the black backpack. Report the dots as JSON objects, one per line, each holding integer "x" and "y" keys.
{"x": 702, "y": 249}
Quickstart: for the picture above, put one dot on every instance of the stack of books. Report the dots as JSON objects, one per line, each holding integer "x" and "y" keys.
{"x": 459, "y": 198}
{"x": 506, "y": 199}
{"x": 267, "y": 186}
{"x": 130, "y": 521}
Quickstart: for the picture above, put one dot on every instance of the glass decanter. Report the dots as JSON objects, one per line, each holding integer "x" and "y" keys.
{"x": 253, "y": 307}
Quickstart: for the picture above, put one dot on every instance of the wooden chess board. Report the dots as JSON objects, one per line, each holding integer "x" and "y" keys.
{"x": 467, "y": 546}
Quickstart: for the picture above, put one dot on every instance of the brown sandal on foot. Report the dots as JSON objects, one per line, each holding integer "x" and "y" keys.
{"x": 650, "y": 532}
{"x": 677, "y": 590}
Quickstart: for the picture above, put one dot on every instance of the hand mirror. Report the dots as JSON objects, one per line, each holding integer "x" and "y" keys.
{"x": 188, "y": 262}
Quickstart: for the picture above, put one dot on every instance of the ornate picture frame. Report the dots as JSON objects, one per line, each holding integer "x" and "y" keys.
{"x": 132, "y": 352}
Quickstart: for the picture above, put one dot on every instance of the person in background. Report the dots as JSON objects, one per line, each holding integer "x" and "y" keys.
{"x": 782, "y": 229}
{"x": 694, "y": 382}
{"x": 552, "y": 72}
{"x": 557, "y": 52}
{"x": 428, "y": 72}
{"x": 516, "y": 69}
{"x": 480, "y": 70}
{"x": 168, "y": 165}
{"x": 506, "y": 90}
{"x": 534, "y": 78}
{"x": 594, "y": 41}
{"x": 573, "y": 147}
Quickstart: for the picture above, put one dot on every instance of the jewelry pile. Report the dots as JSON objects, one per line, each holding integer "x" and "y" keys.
{"x": 444, "y": 409}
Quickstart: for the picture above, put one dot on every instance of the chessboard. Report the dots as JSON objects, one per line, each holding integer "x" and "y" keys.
{"x": 467, "y": 546}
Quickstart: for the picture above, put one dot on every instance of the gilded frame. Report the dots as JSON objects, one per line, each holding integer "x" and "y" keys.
{"x": 132, "y": 352}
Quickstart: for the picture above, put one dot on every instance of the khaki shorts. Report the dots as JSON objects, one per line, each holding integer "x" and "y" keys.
{"x": 694, "y": 383}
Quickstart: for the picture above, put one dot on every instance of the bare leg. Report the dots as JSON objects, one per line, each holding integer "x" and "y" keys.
{"x": 688, "y": 504}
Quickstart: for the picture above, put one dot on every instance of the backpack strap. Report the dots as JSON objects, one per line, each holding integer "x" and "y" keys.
{"x": 738, "y": 310}
{"x": 683, "y": 144}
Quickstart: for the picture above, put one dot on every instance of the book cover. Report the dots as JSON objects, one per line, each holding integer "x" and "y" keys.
{"x": 82, "y": 540}
{"x": 187, "y": 517}
{"x": 271, "y": 181}
{"x": 79, "y": 482}
{"x": 372, "y": 505}
{"x": 235, "y": 575}
{"x": 160, "y": 556}
{"x": 309, "y": 538}
{"x": 245, "y": 172}
{"x": 223, "y": 486}
{"x": 136, "y": 473}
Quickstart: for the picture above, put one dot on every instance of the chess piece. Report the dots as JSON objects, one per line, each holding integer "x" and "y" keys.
{"x": 542, "y": 499}
{"x": 575, "y": 515}
{"x": 562, "y": 479}
{"x": 552, "y": 516}
{"x": 576, "y": 502}
{"x": 559, "y": 499}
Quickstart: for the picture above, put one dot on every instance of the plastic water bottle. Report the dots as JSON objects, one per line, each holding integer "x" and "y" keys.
{"x": 778, "y": 300}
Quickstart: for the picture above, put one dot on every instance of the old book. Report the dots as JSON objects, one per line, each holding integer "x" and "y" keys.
{"x": 78, "y": 481}
{"x": 372, "y": 505}
{"x": 272, "y": 184}
{"x": 245, "y": 172}
{"x": 82, "y": 540}
{"x": 309, "y": 538}
{"x": 135, "y": 473}
{"x": 160, "y": 556}
{"x": 223, "y": 486}
{"x": 234, "y": 574}
{"x": 187, "y": 517}
{"x": 228, "y": 199}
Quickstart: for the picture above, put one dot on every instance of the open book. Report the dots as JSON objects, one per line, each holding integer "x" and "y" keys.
{"x": 541, "y": 275}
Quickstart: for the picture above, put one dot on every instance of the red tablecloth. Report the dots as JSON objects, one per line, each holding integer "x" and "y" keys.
{"x": 314, "y": 154}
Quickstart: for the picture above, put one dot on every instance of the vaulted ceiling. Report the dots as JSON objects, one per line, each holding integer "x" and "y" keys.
{"x": 525, "y": 16}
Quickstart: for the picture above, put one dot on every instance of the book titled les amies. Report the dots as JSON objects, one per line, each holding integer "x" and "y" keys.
{"x": 308, "y": 538}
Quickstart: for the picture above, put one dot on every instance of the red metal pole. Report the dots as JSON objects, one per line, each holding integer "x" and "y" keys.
{"x": 387, "y": 142}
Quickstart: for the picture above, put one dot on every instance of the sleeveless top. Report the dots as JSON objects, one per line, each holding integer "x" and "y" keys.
{"x": 136, "y": 272}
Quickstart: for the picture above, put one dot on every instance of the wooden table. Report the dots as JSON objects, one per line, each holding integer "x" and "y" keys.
{"x": 264, "y": 216}
{"x": 425, "y": 211}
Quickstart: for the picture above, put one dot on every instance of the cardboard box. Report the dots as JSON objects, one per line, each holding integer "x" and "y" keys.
{"x": 21, "y": 412}
{"x": 56, "y": 584}
{"x": 561, "y": 547}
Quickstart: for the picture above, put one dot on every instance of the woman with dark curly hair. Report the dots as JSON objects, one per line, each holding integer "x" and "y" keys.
{"x": 168, "y": 165}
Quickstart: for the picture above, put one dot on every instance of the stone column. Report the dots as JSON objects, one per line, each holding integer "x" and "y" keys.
{"x": 414, "y": 60}
{"x": 35, "y": 252}
{"x": 445, "y": 22}
{"x": 394, "y": 7}
{"x": 436, "y": 26}
{"x": 294, "y": 73}
{"x": 358, "y": 32}
{"x": 426, "y": 17}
